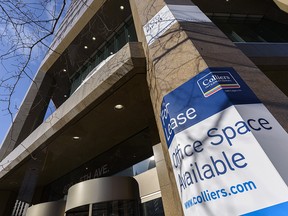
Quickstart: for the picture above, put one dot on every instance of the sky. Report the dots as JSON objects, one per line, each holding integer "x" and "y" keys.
{"x": 9, "y": 66}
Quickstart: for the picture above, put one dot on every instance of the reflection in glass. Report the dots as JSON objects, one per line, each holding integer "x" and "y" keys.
{"x": 153, "y": 208}
{"x": 123, "y": 35}
{"x": 116, "y": 208}
{"x": 79, "y": 211}
{"x": 111, "y": 208}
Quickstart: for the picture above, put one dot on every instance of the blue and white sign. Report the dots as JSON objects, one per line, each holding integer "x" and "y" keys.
{"x": 219, "y": 135}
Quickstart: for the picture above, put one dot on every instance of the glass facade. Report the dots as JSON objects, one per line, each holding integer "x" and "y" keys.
{"x": 128, "y": 208}
{"x": 249, "y": 29}
{"x": 121, "y": 208}
{"x": 129, "y": 158}
{"x": 153, "y": 208}
{"x": 124, "y": 34}
{"x": 79, "y": 211}
{"x": 115, "y": 208}
{"x": 132, "y": 157}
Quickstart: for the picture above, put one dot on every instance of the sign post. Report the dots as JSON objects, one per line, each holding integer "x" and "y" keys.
{"x": 218, "y": 135}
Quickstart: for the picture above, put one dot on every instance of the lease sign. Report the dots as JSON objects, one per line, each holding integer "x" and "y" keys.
{"x": 219, "y": 135}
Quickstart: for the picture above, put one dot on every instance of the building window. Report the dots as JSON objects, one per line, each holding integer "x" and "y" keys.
{"x": 125, "y": 33}
{"x": 153, "y": 207}
{"x": 132, "y": 156}
{"x": 252, "y": 29}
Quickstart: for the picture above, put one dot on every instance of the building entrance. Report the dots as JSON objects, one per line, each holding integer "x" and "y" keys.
{"x": 113, "y": 196}
{"x": 115, "y": 208}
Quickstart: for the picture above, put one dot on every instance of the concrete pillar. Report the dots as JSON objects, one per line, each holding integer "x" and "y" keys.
{"x": 177, "y": 50}
{"x": 30, "y": 114}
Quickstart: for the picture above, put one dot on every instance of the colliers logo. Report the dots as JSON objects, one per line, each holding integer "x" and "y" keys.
{"x": 215, "y": 81}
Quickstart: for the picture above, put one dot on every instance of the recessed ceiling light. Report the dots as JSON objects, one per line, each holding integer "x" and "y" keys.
{"x": 85, "y": 47}
{"x": 64, "y": 70}
{"x": 111, "y": 53}
{"x": 119, "y": 107}
{"x": 122, "y": 7}
{"x": 65, "y": 96}
{"x": 76, "y": 138}
{"x": 94, "y": 38}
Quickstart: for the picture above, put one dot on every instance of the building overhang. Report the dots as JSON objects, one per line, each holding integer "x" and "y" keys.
{"x": 50, "y": 151}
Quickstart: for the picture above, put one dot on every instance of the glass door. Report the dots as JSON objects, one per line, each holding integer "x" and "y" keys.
{"x": 116, "y": 208}
{"x": 79, "y": 211}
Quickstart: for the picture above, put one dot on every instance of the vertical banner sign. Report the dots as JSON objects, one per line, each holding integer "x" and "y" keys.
{"x": 217, "y": 132}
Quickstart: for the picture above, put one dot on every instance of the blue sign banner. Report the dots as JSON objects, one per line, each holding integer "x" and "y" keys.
{"x": 217, "y": 130}
{"x": 199, "y": 93}
{"x": 277, "y": 210}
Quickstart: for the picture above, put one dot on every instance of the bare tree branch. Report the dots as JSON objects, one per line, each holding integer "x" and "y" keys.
{"x": 24, "y": 27}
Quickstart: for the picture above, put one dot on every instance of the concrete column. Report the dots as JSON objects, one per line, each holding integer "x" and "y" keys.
{"x": 30, "y": 114}
{"x": 180, "y": 49}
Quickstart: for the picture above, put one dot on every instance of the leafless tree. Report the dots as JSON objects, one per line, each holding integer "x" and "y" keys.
{"x": 26, "y": 30}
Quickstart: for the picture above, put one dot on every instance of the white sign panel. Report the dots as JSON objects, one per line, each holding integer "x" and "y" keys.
{"x": 168, "y": 16}
{"x": 213, "y": 126}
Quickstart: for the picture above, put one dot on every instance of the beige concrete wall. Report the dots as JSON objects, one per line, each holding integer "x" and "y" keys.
{"x": 149, "y": 187}
{"x": 69, "y": 29}
{"x": 72, "y": 25}
{"x": 117, "y": 67}
{"x": 55, "y": 208}
{"x": 172, "y": 59}
{"x": 178, "y": 54}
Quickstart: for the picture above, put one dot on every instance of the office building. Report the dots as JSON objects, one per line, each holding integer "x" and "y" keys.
{"x": 106, "y": 73}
